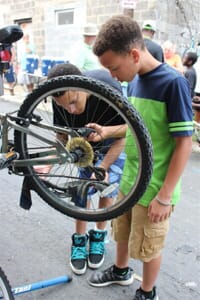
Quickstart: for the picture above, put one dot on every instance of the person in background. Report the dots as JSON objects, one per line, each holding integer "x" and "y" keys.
{"x": 196, "y": 98}
{"x": 162, "y": 97}
{"x": 25, "y": 49}
{"x": 72, "y": 108}
{"x": 148, "y": 32}
{"x": 83, "y": 57}
{"x": 171, "y": 57}
{"x": 10, "y": 74}
{"x": 189, "y": 59}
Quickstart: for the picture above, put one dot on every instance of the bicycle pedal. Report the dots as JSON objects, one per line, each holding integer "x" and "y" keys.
{"x": 108, "y": 190}
{"x": 7, "y": 158}
{"x": 10, "y": 154}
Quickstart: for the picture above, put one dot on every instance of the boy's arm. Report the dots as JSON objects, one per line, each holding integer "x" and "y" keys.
{"x": 105, "y": 132}
{"x": 113, "y": 153}
{"x": 159, "y": 212}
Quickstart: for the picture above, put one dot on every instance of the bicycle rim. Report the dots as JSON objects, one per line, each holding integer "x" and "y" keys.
{"x": 5, "y": 289}
{"x": 39, "y": 104}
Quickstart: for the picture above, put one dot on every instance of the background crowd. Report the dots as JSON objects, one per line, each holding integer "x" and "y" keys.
{"x": 82, "y": 56}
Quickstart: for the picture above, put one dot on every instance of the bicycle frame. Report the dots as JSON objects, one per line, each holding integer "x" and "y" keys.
{"x": 31, "y": 286}
{"x": 41, "y": 284}
{"x": 58, "y": 154}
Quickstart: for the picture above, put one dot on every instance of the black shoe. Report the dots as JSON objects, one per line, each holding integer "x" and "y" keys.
{"x": 78, "y": 261}
{"x": 96, "y": 248}
{"x": 140, "y": 295}
{"x": 7, "y": 158}
{"x": 108, "y": 277}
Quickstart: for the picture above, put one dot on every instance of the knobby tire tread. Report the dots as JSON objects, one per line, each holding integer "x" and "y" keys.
{"x": 128, "y": 110}
{"x": 6, "y": 284}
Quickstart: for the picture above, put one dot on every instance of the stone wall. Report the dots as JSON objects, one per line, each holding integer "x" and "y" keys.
{"x": 177, "y": 20}
{"x": 100, "y": 10}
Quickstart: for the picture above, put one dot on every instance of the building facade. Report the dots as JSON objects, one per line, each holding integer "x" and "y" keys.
{"x": 55, "y": 25}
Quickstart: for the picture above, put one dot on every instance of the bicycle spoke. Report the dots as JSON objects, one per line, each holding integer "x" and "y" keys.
{"x": 76, "y": 172}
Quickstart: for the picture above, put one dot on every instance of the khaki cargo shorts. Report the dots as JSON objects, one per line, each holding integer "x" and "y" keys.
{"x": 145, "y": 239}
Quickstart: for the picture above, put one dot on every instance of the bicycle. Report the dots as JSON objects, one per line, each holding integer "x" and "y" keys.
{"x": 197, "y": 131}
{"x": 196, "y": 109}
{"x": 11, "y": 88}
{"x": 5, "y": 288}
{"x": 8, "y": 293}
{"x": 35, "y": 139}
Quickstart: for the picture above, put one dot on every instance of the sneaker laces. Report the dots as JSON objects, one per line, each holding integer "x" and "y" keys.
{"x": 78, "y": 252}
{"x": 109, "y": 274}
{"x": 97, "y": 248}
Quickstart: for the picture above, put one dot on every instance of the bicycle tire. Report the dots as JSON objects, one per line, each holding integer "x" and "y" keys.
{"x": 40, "y": 97}
{"x": 196, "y": 131}
{"x": 5, "y": 288}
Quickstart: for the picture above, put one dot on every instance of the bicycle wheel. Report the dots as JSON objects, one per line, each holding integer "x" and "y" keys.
{"x": 64, "y": 179}
{"x": 5, "y": 289}
{"x": 197, "y": 131}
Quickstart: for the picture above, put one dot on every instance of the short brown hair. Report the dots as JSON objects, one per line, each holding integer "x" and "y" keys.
{"x": 191, "y": 56}
{"x": 63, "y": 69}
{"x": 118, "y": 34}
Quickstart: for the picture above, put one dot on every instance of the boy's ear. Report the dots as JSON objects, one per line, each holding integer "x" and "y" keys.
{"x": 135, "y": 54}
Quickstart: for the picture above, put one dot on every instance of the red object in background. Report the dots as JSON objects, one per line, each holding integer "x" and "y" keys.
{"x": 5, "y": 55}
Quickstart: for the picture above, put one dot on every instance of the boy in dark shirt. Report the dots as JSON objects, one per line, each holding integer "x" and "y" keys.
{"x": 75, "y": 109}
{"x": 189, "y": 59}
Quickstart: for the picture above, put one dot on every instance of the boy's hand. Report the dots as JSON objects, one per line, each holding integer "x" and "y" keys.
{"x": 157, "y": 212}
{"x": 98, "y": 134}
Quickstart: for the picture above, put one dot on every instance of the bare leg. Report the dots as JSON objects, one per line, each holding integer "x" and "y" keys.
{"x": 104, "y": 202}
{"x": 81, "y": 227}
{"x": 150, "y": 273}
{"x": 122, "y": 256}
{"x": 11, "y": 88}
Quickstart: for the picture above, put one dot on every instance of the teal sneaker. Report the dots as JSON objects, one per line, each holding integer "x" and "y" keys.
{"x": 79, "y": 254}
{"x": 96, "y": 248}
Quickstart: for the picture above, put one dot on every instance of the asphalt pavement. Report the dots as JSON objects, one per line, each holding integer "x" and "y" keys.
{"x": 35, "y": 245}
